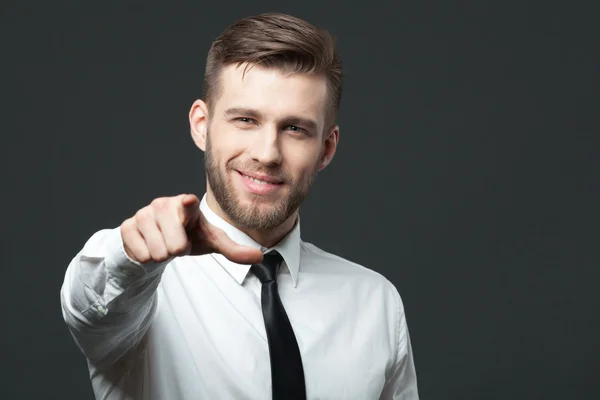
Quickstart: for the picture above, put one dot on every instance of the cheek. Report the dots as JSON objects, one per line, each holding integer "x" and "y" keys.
{"x": 226, "y": 147}
{"x": 303, "y": 163}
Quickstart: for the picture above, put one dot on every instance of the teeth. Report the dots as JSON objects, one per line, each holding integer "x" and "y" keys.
{"x": 257, "y": 180}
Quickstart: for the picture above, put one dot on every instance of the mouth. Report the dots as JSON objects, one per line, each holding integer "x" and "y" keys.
{"x": 261, "y": 179}
{"x": 259, "y": 184}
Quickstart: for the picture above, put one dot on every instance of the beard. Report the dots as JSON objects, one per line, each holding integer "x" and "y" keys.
{"x": 253, "y": 216}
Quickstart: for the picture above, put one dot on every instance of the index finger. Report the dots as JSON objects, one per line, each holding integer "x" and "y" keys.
{"x": 188, "y": 206}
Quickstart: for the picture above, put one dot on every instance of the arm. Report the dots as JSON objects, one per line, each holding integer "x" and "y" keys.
{"x": 108, "y": 301}
{"x": 401, "y": 384}
{"x": 108, "y": 297}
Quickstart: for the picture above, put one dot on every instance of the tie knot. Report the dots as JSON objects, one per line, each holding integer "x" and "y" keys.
{"x": 266, "y": 270}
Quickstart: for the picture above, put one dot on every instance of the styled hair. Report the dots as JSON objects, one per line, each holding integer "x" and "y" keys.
{"x": 276, "y": 41}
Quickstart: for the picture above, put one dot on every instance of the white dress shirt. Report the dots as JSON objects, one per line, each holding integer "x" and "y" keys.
{"x": 192, "y": 327}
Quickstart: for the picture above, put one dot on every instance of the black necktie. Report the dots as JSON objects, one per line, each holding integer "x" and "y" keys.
{"x": 287, "y": 374}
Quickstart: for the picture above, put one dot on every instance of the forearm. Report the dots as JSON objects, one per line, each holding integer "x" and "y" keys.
{"x": 108, "y": 301}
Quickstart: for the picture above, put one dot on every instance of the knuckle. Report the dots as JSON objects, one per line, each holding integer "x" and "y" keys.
{"x": 158, "y": 253}
{"x": 144, "y": 257}
{"x": 161, "y": 256}
{"x": 139, "y": 252}
{"x": 178, "y": 247}
{"x": 144, "y": 214}
{"x": 160, "y": 204}
{"x": 127, "y": 226}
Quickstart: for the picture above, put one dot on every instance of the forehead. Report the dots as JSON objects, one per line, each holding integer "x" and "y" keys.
{"x": 273, "y": 92}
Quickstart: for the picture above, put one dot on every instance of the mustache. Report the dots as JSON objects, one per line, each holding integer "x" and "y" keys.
{"x": 274, "y": 172}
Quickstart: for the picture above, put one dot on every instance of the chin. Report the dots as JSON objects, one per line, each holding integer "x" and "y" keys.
{"x": 256, "y": 201}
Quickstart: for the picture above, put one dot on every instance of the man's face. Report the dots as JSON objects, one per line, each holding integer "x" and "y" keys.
{"x": 265, "y": 144}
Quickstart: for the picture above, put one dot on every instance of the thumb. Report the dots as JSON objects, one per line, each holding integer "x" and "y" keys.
{"x": 233, "y": 251}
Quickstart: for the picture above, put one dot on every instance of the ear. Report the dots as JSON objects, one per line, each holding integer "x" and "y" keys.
{"x": 199, "y": 123}
{"x": 329, "y": 146}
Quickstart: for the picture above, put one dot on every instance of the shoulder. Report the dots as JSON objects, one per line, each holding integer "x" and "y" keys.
{"x": 312, "y": 254}
{"x": 327, "y": 262}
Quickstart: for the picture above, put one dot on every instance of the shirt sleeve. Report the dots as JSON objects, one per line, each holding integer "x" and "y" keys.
{"x": 108, "y": 301}
{"x": 402, "y": 381}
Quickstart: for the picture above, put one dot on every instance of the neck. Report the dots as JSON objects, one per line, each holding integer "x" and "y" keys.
{"x": 266, "y": 238}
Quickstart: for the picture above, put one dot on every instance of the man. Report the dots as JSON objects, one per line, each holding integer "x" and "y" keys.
{"x": 218, "y": 297}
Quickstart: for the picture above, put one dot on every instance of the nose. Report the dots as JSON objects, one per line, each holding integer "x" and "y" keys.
{"x": 266, "y": 147}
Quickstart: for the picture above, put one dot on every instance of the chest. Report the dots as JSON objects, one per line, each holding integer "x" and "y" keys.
{"x": 214, "y": 326}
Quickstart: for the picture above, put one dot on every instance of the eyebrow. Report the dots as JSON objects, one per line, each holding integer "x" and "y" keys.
{"x": 291, "y": 120}
{"x": 243, "y": 111}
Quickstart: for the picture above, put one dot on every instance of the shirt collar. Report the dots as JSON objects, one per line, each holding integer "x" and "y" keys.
{"x": 288, "y": 247}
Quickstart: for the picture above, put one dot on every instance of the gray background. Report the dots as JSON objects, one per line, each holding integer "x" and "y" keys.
{"x": 467, "y": 173}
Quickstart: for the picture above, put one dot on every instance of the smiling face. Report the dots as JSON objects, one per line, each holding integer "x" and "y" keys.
{"x": 265, "y": 140}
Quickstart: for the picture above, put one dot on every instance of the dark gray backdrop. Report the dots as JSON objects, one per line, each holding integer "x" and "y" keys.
{"x": 467, "y": 173}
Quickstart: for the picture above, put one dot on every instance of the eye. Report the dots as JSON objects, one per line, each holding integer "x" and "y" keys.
{"x": 294, "y": 128}
{"x": 245, "y": 120}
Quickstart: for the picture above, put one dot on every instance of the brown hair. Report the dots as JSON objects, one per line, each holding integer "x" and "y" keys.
{"x": 281, "y": 42}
